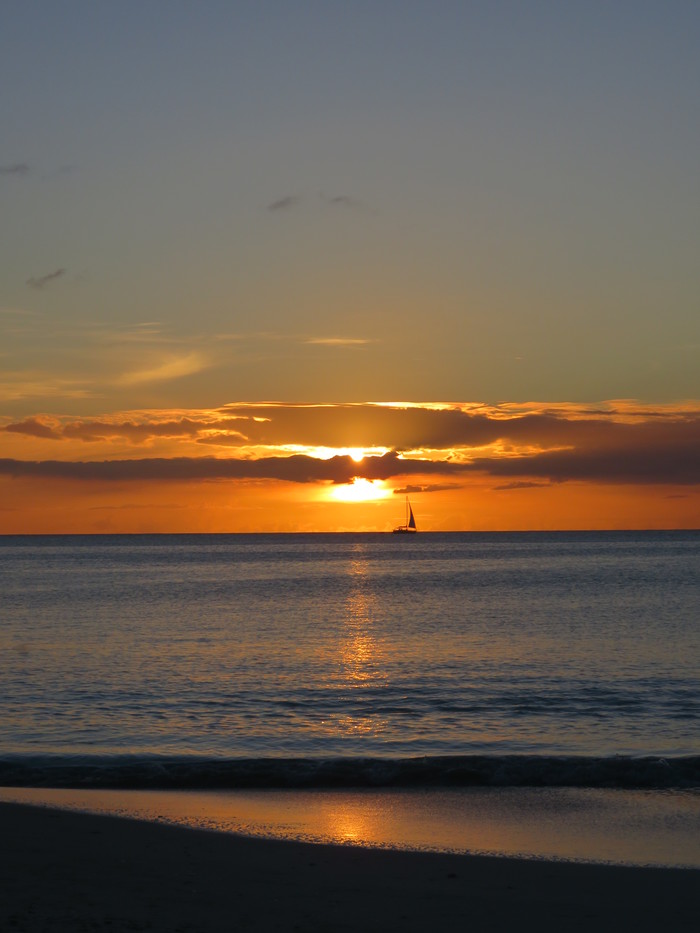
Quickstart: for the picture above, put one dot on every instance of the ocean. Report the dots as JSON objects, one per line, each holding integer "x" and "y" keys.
{"x": 352, "y": 661}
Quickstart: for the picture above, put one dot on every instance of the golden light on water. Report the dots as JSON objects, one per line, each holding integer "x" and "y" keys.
{"x": 359, "y": 651}
{"x": 360, "y": 654}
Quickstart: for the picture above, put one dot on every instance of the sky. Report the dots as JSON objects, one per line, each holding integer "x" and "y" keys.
{"x": 273, "y": 266}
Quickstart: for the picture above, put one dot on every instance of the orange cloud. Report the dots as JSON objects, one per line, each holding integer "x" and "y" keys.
{"x": 660, "y": 446}
{"x": 447, "y": 450}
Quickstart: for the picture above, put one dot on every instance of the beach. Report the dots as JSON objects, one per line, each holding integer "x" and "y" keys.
{"x": 338, "y": 733}
{"x": 73, "y": 871}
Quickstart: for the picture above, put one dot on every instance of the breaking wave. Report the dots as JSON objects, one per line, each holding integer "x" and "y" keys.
{"x": 198, "y": 773}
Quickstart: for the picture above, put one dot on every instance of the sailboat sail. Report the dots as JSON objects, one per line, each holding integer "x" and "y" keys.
{"x": 410, "y": 521}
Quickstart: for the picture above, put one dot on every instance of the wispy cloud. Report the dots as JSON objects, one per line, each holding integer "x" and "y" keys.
{"x": 15, "y": 168}
{"x": 523, "y": 484}
{"x": 284, "y": 204}
{"x": 134, "y": 431}
{"x": 415, "y": 489}
{"x": 148, "y": 332}
{"x": 338, "y": 341}
{"x": 19, "y": 386}
{"x": 335, "y": 200}
{"x": 171, "y": 368}
{"x": 41, "y": 281}
{"x": 342, "y": 200}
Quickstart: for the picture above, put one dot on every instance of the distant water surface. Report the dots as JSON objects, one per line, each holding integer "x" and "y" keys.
{"x": 350, "y": 646}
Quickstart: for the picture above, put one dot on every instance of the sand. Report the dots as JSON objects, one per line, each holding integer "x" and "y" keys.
{"x": 76, "y": 872}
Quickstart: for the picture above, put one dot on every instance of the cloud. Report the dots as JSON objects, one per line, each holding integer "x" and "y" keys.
{"x": 290, "y": 201}
{"x": 172, "y": 368}
{"x": 284, "y": 204}
{"x": 42, "y": 280}
{"x": 338, "y": 341}
{"x": 34, "y": 427}
{"x": 678, "y": 466}
{"x": 460, "y": 429}
{"x": 140, "y": 432}
{"x": 15, "y": 168}
{"x": 297, "y": 469}
{"x": 148, "y": 332}
{"x": 224, "y": 430}
{"x": 293, "y": 443}
{"x": 21, "y": 385}
{"x": 524, "y": 484}
{"x": 342, "y": 200}
{"x": 432, "y": 487}
{"x": 645, "y": 464}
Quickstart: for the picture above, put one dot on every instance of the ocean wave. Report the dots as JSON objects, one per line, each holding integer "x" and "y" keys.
{"x": 198, "y": 773}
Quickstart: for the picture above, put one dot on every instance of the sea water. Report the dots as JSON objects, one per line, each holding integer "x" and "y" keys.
{"x": 567, "y": 660}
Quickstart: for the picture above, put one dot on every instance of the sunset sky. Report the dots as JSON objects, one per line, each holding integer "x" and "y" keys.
{"x": 273, "y": 266}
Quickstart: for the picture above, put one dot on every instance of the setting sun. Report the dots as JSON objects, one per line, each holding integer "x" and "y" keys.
{"x": 360, "y": 490}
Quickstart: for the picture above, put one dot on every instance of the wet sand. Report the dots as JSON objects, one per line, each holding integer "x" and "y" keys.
{"x": 71, "y": 871}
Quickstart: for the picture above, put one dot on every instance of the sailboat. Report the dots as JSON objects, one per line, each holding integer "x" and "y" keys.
{"x": 410, "y": 524}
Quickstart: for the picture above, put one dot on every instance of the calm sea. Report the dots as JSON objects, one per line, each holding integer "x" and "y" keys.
{"x": 303, "y": 660}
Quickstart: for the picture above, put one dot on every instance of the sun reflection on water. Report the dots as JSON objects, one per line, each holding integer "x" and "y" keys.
{"x": 360, "y": 653}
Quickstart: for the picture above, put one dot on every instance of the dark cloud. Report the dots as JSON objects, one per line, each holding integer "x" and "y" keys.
{"x": 15, "y": 168}
{"x": 413, "y": 428}
{"x": 524, "y": 484}
{"x": 676, "y": 462}
{"x": 523, "y": 451}
{"x": 296, "y": 469}
{"x": 41, "y": 281}
{"x": 284, "y": 204}
{"x": 33, "y": 427}
{"x": 138, "y": 432}
{"x": 342, "y": 200}
{"x": 292, "y": 200}
{"x": 135, "y": 432}
{"x": 433, "y": 487}
{"x": 647, "y": 467}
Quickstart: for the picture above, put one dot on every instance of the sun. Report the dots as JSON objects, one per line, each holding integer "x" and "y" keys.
{"x": 360, "y": 490}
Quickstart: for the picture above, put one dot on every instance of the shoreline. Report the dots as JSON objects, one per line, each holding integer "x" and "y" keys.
{"x": 65, "y": 870}
{"x": 581, "y": 825}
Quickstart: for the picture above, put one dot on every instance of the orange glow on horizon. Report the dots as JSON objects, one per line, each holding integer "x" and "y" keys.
{"x": 68, "y": 507}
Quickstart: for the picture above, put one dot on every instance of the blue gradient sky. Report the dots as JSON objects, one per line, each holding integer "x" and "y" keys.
{"x": 204, "y": 202}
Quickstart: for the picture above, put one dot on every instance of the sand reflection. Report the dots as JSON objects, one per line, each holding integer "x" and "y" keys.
{"x": 627, "y": 827}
